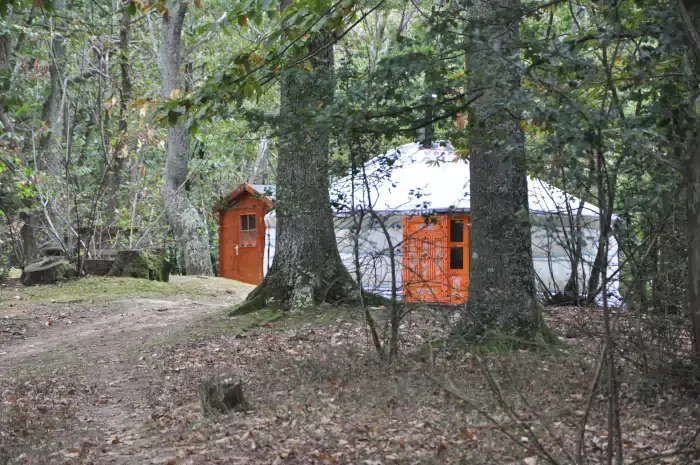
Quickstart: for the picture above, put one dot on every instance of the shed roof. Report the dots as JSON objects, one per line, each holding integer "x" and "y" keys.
{"x": 268, "y": 190}
{"x": 412, "y": 179}
{"x": 265, "y": 191}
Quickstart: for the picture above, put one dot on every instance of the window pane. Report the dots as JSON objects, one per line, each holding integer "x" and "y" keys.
{"x": 247, "y": 222}
{"x": 456, "y": 258}
{"x": 456, "y": 231}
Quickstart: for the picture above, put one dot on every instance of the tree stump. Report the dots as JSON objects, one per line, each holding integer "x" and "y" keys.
{"x": 142, "y": 264}
{"x": 47, "y": 271}
{"x": 222, "y": 394}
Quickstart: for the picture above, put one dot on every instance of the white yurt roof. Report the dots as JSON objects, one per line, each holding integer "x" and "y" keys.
{"x": 411, "y": 179}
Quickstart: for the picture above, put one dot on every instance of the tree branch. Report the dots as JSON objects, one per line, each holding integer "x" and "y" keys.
{"x": 82, "y": 77}
{"x": 689, "y": 27}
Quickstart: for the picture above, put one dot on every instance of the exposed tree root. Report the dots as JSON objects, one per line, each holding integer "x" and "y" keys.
{"x": 274, "y": 292}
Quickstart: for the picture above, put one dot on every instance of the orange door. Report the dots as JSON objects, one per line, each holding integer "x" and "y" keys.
{"x": 228, "y": 236}
{"x": 424, "y": 262}
{"x": 247, "y": 248}
{"x": 435, "y": 258}
{"x": 457, "y": 259}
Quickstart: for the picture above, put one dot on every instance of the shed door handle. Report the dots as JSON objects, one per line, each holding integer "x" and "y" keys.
{"x": 236, "y": 250}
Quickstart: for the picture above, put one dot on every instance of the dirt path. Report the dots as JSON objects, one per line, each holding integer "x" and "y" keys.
{"x": 107, "y": 361}
{"x": 131, "y": 324}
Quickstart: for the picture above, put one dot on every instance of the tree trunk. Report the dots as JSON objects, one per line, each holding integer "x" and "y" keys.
{"x": 306, "y": 268}
{"x": 182, "y": 216}
{"x": 28, "y": 230}
{"x": 259, "y": 173}
{"x": 693, "y": 231}
{"x": 501, "y": 275}
{"x": 121, "y": 151}
{"x": 605, "y": 203}
{"x": 690, "y": 15}
{"x": 54, "y": 111}
{"x": 30, "y": 250}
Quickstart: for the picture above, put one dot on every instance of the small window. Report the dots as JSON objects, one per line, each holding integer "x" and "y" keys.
{"x": 248, "y": 236}
{"x": 456, "y": 258}
{"x": 456, "y": 231}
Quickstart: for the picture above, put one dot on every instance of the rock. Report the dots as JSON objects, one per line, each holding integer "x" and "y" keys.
{"x": 144, "y": 264}
{"x": 222, "y": 394}
{"x": 51, "y": 252}
{"x": 97, "y": 266}
{"x": 47, "y": 271}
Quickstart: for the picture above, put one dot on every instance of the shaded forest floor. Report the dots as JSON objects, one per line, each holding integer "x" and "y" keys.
{"x": 106, "y": 372}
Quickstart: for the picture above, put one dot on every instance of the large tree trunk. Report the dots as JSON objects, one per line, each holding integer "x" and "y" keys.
{"x": 182, "y": 216}
{"x": 689, "y": 13}
{"x": 307, "y": 267}
{"x": 693, "y": 229}
{"x": 501, "y": 275}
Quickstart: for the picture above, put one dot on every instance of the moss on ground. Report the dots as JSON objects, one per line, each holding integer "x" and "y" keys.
{"x": 221, "y": 323}
{"x": 111, "y": 288}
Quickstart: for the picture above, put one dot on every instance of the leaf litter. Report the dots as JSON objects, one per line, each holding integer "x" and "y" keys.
{"x": 320, "y": 394}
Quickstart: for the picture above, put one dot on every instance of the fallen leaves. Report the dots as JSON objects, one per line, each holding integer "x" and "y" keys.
{"x": 320, "y": 396}
{"x": 324, "y": 457}
{"x": 73, "y": 453}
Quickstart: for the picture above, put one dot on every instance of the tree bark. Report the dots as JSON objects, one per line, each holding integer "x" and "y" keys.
{"x": 182, "y": 216}
{"x": 600, "y": 261}
{"x": 259, "y": 173}
{"x": 690, "y": 15}
{"x": 121, "y": 151}
{"x": 54, "y": 111}
{"x": 693, "y": 231}
{"x": 501, "y": 275}
{"x": 306, "y": 268}
{"x": 30, "y": 250}
{"x": 28, "y": 229}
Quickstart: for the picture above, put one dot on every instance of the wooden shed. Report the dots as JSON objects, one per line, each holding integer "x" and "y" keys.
{"x": 242, "y": 232}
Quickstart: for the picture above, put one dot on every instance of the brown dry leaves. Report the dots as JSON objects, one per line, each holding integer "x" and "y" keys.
{"x": 320, "y": 395}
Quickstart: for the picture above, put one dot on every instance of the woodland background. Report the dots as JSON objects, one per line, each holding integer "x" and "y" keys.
{"x": 125, "y": 122}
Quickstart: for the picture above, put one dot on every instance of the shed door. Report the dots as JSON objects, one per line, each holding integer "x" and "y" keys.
{"x": 424, "y": 261}
{"x": 247, "y": 247}
{"x": 435, "y": 258}
{"x": 457, "y": 258}
{"x": 241, "y": 245}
